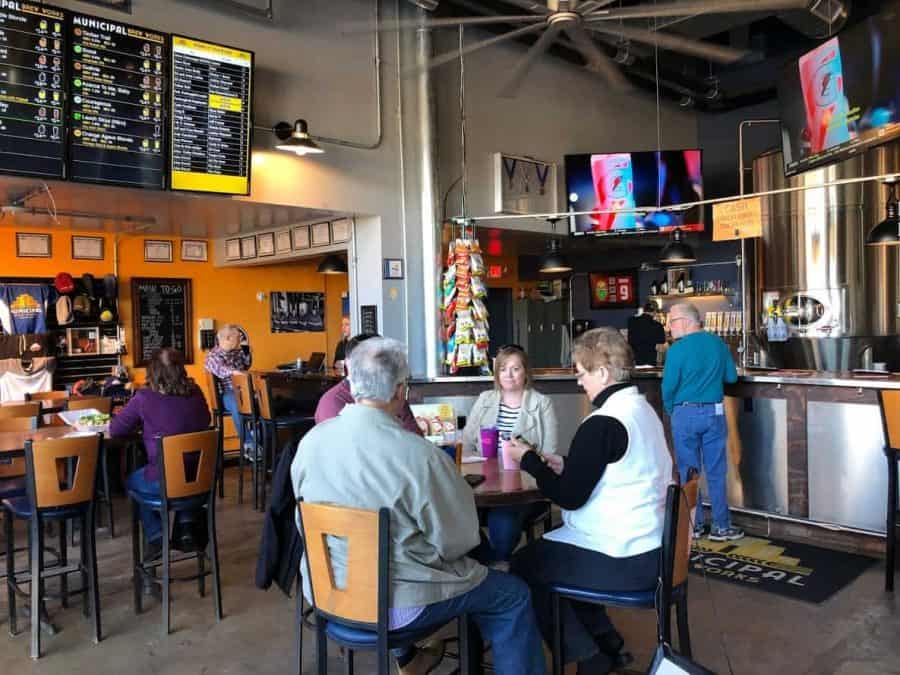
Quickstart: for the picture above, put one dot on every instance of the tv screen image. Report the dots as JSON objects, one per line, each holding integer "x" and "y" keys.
{"x": 631, "y": 180}
{"x": 850, "y": 94}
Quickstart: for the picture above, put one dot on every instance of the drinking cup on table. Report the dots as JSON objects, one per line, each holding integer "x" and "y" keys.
{"x": 507, "y": 462}
{"x": 489, "y": 440}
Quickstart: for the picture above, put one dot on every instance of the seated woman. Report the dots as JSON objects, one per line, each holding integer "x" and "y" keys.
{"x": 516, "y": 409}
{"x": 612, "y": 490}
{"x": 171, "y": 403}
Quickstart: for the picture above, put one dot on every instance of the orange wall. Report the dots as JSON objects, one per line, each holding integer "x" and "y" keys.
{"x": 226, "y": 294}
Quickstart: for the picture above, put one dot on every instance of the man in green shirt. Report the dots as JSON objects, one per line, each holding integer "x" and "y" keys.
{"x": 698, "y": 365}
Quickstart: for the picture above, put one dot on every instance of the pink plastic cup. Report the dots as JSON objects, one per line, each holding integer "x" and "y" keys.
{"x": 509, "y": 464}
{"x": 489, "y": 438}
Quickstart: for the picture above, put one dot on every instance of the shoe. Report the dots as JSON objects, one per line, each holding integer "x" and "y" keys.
{"x": 726, "y": 534}
{"x": 427, "y": 658}
{"x": 701, "y": 531}
{"x": 612, "y": 644}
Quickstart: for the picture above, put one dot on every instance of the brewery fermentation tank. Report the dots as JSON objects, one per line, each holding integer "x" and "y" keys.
{"x": 838, "y": 297}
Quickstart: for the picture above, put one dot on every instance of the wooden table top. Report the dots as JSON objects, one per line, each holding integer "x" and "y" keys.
{"x": 502, "y": 488}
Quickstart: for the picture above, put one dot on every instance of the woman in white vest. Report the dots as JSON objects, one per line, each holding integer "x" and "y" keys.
{"x": 611, "y": 488}
{"x": 515, "y": 408}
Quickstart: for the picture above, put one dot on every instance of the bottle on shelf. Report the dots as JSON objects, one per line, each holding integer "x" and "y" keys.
{"x": 664, "y": 286}
{"x": 681, "y": 284}
{"x": 654, "y": 289}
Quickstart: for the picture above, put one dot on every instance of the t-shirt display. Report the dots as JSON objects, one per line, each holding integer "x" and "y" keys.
{"x": 23, "y": 308}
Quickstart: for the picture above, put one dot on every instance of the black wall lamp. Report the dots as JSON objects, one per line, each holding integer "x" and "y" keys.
{"x": 295, "y": 138}
{"x": 553, "y": 261}
{"x": 677, "y": 251}
{"x": 887, "y": 232}
{"x": 333, "y": 264}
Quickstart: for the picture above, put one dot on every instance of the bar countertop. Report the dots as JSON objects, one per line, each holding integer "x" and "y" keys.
{"x": 793, "y": 377}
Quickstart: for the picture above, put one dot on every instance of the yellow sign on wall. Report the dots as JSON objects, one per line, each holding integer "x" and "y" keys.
{"x": 740, "y": 219}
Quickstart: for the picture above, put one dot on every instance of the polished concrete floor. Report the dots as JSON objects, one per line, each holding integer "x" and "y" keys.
{"x": 854, "y": 633}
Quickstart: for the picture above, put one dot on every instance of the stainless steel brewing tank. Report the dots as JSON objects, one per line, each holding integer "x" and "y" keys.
{"x": 837, "y": 295}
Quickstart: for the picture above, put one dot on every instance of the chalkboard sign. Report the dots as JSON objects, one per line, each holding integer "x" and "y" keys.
{"x": 162, "y": 317}
{"x": 368, "y": 315}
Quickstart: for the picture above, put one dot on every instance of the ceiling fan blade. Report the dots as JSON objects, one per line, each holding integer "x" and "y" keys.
{"x": 585, "y": 8}
{"x": 675, "y": 43}
{"x": 454, "y": 54}
{"x": 449, "y": 22}
{"x": 543, "y": 43}
{"x": 597, "y": 60}
{"x": 693, "y": 7}
{"x": 530, "y": 6}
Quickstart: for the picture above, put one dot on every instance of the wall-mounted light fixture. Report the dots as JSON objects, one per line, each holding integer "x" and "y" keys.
{"x": 332, "y": 264}
{"x": 677, "y": 251}
{"x": 296, "y": 138}
{"x": 887, "y": 232}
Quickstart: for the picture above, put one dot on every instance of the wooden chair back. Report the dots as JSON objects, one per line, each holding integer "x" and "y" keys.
{"x": 27, "y": 409}
{"x": 14, "y": 467}
{"x": 57, "y": 395}
{"x": 189, "y": 463}
{"x": 243, "y": 392}
{"x": 18, "y": 424}
{"x": 100, "y": 403}
{"x": 889, "y": 400}
{"x": 263, "y": 395}
{"x": 44, "y": 460}
{"x": 364, "y": 533}
{"x": 687, "y": 500}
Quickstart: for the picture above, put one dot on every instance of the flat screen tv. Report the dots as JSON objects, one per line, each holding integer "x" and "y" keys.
{"x": 630, "y": 180}
{"x": 843, "y": 96}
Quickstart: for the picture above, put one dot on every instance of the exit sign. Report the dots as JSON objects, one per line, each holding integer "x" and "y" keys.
{"x": 495, "y": 271}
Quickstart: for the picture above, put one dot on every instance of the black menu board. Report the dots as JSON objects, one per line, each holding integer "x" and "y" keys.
{"x": 118, "y": 103}
{"x": 32, "y": 85}
{"x": 211, "y": 117}
{"x": 162, "y": 317}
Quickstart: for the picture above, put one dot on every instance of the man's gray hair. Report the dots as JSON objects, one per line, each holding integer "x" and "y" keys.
{"x": 377, "y": 367}
{"x": 689, "y": 311}
{"x": 226, "y": 330}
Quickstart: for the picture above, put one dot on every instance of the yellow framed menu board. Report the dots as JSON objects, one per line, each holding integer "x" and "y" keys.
{"x": 211, "y": 117}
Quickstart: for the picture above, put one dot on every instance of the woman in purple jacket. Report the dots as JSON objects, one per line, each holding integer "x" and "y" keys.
{"x": 171, "y": 403}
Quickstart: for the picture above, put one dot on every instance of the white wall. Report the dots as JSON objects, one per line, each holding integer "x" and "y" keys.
{"x": 560, "y": 109}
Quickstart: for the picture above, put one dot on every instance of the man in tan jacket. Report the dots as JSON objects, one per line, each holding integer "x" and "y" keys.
{"x": 364, "y": 458}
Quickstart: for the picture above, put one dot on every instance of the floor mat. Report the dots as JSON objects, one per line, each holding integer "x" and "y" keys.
{"x": 798, "y": 571}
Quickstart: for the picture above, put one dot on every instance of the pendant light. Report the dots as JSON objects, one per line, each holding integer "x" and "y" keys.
{"x": 677, "y": 251}
{"x": 296, "y": 139}
{"x": 887, "y": 232}
{"x": 333, "y": 264}
{"x": 553, "y": 261}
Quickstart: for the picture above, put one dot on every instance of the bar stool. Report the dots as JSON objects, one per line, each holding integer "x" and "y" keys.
{"x": 670, "y": 590}
{"x": 246, "y": 403}
{"x": 187, "y": 481}
{"x": 889, "y": 402}
{"x": 218, "y": 413}
{"x": 270, "y": 424}
{"x": 102, "y": 404}
{"x": 48, "y": 500}
{"x": 12, "y": 469}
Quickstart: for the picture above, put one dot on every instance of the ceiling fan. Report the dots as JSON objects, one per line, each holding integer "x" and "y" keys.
{"x": 579, "y": 19}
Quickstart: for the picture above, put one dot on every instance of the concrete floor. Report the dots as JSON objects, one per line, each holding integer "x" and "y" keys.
{"x": 854, "y": 633}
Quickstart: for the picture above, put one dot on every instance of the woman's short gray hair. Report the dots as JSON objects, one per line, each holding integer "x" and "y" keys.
{"x": 226, "y": 330}
{"x": 606, "y": 348}
{"x": 377, "y": 367}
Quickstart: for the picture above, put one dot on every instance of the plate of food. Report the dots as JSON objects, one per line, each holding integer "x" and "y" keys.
{"x": 89, "y": 419}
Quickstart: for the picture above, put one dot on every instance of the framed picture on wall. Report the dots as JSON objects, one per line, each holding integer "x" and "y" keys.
{"x": 340, "y": 230}
{"x": 30, "y": 245}
{"x": 265, "y": 244}
{"x": 283, "y": 241}
{"x": 232, "y": 249}
{"x": 157, "y": 250}
{"x": 320, "y": 234}
{"x": 613, "y": 290}
{"x": 248, "y": 247}
{"x": 301, "y": 237}
{"x": 194, "y": 250}
{"x": 87, "y": 248}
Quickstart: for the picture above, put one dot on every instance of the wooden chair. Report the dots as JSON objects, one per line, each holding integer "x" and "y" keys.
{"x": 22, "y": 410}
{"x": 48, "y": 499}
{"x": 355, "y": 615}
{"x": 12, "y": 468}
{"x": 269, "y": 426}
{"x": 57, "y": 395}
{"x": 218, "y": 414}
{"x": 102, "y": 404}
{"x": 188, "y": 471}
{"x": 242, "y": 385}
{"x": 670, "y": 590}
{"x": 889, "y": 401}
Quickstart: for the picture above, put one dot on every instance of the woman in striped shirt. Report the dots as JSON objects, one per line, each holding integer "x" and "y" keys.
{"x": 516, "y": 409}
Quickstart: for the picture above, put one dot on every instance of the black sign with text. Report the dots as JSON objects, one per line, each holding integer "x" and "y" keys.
{"x": 32, "y": 89}
{"x": 162, "y": 317}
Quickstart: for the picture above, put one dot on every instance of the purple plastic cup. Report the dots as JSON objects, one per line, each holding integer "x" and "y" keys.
{"x": 489, "y": 440}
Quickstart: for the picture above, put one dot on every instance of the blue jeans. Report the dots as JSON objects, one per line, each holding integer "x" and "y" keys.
{"x": 150, "y": 519}
{"x": 501, "y": 608}
{"x": 700, "y": 437}
{"x": 231, "y": 406}
{"x": 505, "y": 525}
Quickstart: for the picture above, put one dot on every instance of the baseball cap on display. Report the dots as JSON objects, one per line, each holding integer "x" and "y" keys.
{"x": 64, "y": 283}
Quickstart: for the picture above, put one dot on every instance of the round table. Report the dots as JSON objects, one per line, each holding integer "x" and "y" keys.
{"x": 502, "y": 488}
